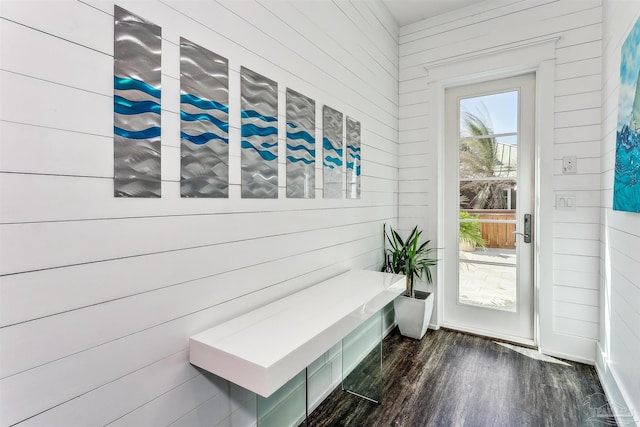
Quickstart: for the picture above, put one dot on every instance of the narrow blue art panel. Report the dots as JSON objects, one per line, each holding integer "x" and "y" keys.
{"x": 626, "y": 185}
{"x": 332, "y": 148}
{"x": 136, "y": 106}
{"x": 204, "y": 118}
{"x": 301, "y": 146}
{"x": 353, "y": 158}
{"x": 259, "y": 118}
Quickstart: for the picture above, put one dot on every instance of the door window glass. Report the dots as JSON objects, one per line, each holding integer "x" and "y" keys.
{"x": 488, "y": 156}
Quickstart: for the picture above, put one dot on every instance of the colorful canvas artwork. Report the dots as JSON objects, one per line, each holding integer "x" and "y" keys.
{"x": 259, "y": 144}
{"x": 353, "y": 158}
{"x": 136, "y": 99}
{"x": 204, "y": 118}
{"x": 626, "y": 185}
{"x": 301, "y": 150}
{"x": 332, "y": 152}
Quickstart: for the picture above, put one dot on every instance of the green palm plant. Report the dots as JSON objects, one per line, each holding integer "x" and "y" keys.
{"x": 470, "y": 232}
{"x": 479, "y": 158}
{"x": 407, "y": 256}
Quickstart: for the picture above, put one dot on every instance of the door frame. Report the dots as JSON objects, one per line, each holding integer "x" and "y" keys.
{"x": 519, "y": 325}
{"x": 536, "y": 57}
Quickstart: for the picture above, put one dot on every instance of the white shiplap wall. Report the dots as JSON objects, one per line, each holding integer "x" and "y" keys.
{"x": 619, "y": 344}
{"x": 99, "y": 295}
{"x": 498, "y": 25}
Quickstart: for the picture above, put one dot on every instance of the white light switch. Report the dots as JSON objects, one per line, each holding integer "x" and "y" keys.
{"x": 569, "y": 164}
{"x": 566, "y": 202}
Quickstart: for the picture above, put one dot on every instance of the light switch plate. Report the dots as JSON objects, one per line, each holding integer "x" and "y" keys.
{"x": 569, "y": 165}
{"x": 566, "y": 202}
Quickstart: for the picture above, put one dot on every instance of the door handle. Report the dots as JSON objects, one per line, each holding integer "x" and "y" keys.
{"x": 527, "y": 229}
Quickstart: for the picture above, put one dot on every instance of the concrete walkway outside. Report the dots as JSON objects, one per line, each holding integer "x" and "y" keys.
{"x": 491, "y": 286}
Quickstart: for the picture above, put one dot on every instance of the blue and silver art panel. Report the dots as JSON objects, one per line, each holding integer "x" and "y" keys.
{"x": 626, "y": 185}
{"x": 301, "y": 146}
{"x": 136, "y": 99}
{"x": 353, "y": 158}
{"x": 204, "y": 122}
{"x": 332, "y": 152}
{"x": 259, "y": 146}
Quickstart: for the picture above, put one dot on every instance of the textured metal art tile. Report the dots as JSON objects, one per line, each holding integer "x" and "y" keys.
{"x": 332, "y": 149}
{"x": 259, "y": 153}
{"x": 353, "y": 158}
{"x": 301, "y": 146}
{"x": 204, "y": 122}
{"x": 136, "y": 87}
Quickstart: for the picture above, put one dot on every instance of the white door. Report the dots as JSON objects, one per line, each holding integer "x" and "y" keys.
{"x": 488, "y": 201}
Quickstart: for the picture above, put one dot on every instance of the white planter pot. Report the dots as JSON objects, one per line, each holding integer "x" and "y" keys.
{"x": 413, "y": 315}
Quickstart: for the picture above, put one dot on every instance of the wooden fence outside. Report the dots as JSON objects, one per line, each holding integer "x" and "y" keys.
{"x": 497, "y": 235}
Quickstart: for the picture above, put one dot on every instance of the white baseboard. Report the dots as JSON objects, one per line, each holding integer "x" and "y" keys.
{"x": 622, "y": 412}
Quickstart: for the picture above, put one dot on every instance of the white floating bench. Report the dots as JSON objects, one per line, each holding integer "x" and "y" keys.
{"x": 263, "y": 349}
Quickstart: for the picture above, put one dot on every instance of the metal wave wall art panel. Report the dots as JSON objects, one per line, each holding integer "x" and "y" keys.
{"x": 353, "y": 158}
{"x": 301, "y": 146}
{"x": 259, "y": 146}
{"x": 136, "y": 106}
{"x": 332, "y": 148}
{"x": 204, "y": 122}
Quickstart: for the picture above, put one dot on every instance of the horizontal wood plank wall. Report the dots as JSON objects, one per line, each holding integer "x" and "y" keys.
{"x": 99, "y": 295}
{"x": 619, "y": 238}
{"x": 492, "y": 25}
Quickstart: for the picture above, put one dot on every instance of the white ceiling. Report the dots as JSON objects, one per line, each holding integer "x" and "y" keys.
{"x": 409, "y": 11}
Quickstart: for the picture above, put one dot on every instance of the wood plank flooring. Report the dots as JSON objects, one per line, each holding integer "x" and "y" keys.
{"x": 454, "y": 379}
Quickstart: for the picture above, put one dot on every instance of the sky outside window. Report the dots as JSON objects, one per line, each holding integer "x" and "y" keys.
{"x": 498, "y": 111}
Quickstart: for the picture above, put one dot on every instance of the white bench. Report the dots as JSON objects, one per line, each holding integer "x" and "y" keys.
{"x": 263, "y": 349}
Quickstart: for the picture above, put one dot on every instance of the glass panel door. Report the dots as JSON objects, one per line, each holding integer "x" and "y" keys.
{"x": 489, "y": 188}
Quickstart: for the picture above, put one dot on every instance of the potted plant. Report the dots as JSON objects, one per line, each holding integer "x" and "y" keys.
{"x": 470, "y": 234}
{"x": 409, "y": 257}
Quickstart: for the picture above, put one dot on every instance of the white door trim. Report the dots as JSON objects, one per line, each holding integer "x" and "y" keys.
{"x": 540, "y": 59}
{"x": 517, "y": 325}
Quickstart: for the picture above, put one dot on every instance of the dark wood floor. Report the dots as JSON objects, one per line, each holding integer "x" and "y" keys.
{"x": 454, "y": 379}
